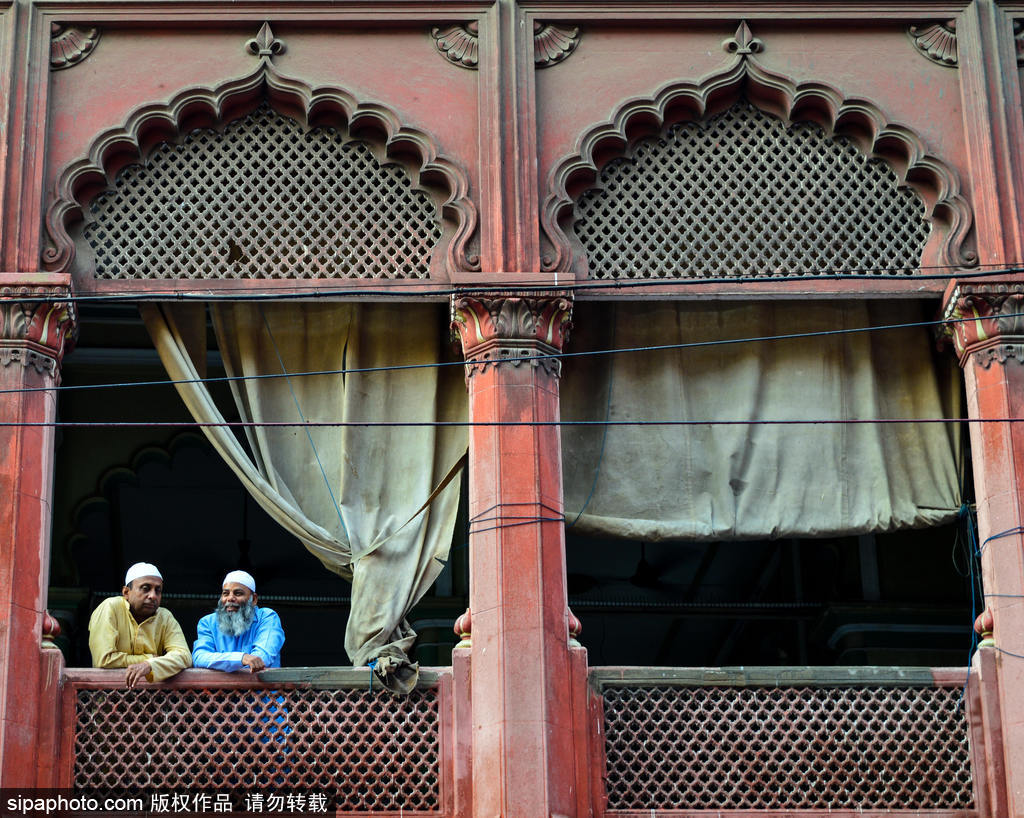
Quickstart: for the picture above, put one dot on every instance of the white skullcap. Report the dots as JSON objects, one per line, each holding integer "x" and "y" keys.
{"x": 242, "y": 578}
{"x": 142, "y": 569}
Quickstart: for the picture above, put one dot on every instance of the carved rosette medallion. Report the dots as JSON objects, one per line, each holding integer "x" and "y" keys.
{"x": 460, "y": 43}
{"x": 35, "y": 330}
{"x": 937, "y": 42}
{"x": 987, "y": 321}
{"x": 70, "y": 44}
{"x": 512, "y": 330}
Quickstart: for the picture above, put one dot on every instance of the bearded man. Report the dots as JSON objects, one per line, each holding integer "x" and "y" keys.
{"x": 239, "y": 635}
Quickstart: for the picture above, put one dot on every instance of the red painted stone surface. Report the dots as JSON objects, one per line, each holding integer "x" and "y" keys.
{"x": 524, "y": 746}
{"x": 33, "y": 335}
{"x": 517, "y": 692}
{"x": 988, "y": 331}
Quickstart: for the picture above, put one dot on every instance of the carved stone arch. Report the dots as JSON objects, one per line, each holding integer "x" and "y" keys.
{"x": 857, "y": 120}
{"x": 152, "y": 124}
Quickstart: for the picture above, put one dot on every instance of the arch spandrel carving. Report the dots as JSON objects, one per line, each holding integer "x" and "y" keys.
{"x": 203, "y": 107}
{"x": 858, "y": 120}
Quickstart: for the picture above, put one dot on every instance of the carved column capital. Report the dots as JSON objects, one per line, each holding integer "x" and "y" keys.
{"x": 37, "y": 324}
{"x": 986, "y": 320}
{"x": 509, "y": 330}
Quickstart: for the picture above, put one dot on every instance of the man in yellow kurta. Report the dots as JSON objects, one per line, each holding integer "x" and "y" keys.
{"x": 132, "y": 630}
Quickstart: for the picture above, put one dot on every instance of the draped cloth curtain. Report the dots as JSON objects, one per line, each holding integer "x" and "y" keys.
{"x": 349, "y": 494}
{"x": 756, "y": 481}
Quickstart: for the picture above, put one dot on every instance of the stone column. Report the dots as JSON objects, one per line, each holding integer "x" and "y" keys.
{"x": 987, "y": 326}
{"x": 523, "y": 753}
{"x": 35, "y": 331}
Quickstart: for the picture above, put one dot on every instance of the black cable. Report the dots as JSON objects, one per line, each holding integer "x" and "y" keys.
{"x": 241, "y": 424}
{"x": 396, "y": 287}
{"x": 515, "y": 359}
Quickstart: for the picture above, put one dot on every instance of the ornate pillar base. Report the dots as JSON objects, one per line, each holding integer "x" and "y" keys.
{"x": 34, "y": 332}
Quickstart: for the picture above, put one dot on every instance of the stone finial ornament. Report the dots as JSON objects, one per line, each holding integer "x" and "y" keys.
{"x": 743, "y": 42}
{"x": 265, "y": 45}
{"x": 51, "y": 630}
{"x": 464, "y": 630}
{"x": 984, "y": 626}
{"x": 575, "y": 629}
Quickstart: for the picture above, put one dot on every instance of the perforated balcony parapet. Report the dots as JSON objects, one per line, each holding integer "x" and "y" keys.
{"x": 744, "y": 194}
{"x": 264, "y": 198}
{"x": 794, "y": 739}
{"x": 368, "y": 750}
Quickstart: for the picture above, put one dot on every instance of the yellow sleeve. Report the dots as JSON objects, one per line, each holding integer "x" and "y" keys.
{"x": 176, "y": 654}
{"x": 103, "y": 641}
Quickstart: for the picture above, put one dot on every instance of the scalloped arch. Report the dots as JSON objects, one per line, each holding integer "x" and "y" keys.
{"x": 858, "y": 120}
{"x": 199, "y": 107}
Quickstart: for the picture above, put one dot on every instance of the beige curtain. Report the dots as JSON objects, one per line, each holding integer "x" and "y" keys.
{"x": 721, "y": 482}
{"x": 349, "y": 494}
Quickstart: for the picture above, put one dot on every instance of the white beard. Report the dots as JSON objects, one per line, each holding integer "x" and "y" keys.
{"x": 235, "y": 623}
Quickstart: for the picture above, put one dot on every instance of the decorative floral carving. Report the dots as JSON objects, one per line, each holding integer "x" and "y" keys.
{"x": 1018, "y": 40}
{"x": 743, "y": 42}
{"x": 36, "y": 327}
{"x": 937, "y": 42}
{"x": 512, "y": 330}
{"x": 265, "y": 45}
{"x": 552, "y": 44}
{"x": 859, "y": 120}
{"x": 111, "y": 150}
{"x": 70, "y": 44}
{"x": 987, "y": 320}
{"x": 460, "y": 43}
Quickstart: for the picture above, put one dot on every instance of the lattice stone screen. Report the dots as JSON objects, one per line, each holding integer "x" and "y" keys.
{"x": 778, "y": 748}
{"x": 265, "y": 198}
{"x": 743, "y": 194}
{"x": 369, "y": 751}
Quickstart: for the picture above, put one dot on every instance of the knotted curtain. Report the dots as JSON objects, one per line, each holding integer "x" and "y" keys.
{"x": 350, "y": 494}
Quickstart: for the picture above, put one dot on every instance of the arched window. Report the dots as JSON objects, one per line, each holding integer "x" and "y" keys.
{"x": 264, "y": 197}
{"x": 743, "y": 193}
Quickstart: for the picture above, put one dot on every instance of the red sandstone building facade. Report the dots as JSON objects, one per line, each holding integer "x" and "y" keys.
{"x": 544, "y": 178}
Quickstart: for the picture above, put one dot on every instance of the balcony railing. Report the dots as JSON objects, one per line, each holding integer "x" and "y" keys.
{"x": 661, "y": 741}
{"x": 769, "y": 741}
{"x": 324, "y": 732}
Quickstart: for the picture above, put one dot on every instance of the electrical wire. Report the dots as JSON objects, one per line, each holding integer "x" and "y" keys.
{"x": 516, "y": 359}
{"x": 437, "y": 424}
{"x": 399, "y": 288}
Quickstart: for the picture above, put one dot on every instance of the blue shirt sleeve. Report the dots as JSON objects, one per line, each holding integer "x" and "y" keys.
{"x": 205, "y": 653}
{"x": 269, "y": 638}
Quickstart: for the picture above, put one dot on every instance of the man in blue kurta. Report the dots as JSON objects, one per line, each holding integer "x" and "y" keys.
{"x": 239, "y": 635}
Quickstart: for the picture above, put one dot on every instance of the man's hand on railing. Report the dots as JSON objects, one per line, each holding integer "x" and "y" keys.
{"x": 254, "y": 663}
{"x": 136, "y": 673}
